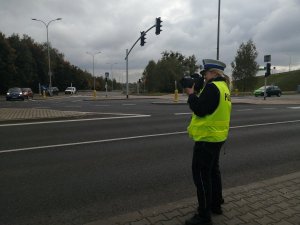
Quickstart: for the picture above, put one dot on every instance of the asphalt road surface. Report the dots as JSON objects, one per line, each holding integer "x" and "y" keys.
{"x": 131, "y": 155}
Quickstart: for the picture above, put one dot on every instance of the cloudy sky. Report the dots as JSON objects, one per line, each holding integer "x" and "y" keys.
{"x": 189, "y": 27}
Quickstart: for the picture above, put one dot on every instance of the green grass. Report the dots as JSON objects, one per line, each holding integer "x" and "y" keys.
{"x": 287, "y": 81}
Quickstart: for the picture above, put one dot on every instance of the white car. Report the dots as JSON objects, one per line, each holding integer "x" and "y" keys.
{"x": 70, "y": 90}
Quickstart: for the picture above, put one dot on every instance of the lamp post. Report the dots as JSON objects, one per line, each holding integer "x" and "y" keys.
{"x": 93, "y": 56}
{"x": 49, "y": 66}
{"x": 218, "y": 35}
{"x": 112, "y": 81}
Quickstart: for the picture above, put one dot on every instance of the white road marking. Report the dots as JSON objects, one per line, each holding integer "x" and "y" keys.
{"x": 132, "y": 137}
{"x": 242, "y": 110}
{"x": 90, "y": 142}
{"x": 123, "y": 116}
{"x": 265, "y": 124}
{"x": 77, "y": 101}
{"x": 294, "y": 107}
{"x": 269, "y": 108}
{"x": 178, "y": 114}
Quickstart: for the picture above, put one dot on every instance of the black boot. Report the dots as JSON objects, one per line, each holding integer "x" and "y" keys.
{"x": 217, "y": 210}
{"x": 222, "y": 201}
{"x": 198, "y": 220}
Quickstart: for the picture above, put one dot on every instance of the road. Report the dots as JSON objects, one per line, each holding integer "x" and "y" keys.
{"x": 129, "y": 155}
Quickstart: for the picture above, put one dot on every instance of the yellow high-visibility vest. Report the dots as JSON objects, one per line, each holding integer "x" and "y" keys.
{"x": 213, "y": 127}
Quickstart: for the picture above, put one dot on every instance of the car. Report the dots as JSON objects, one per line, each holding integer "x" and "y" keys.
{"x": 273, "y": 90}
{"x": 45, "y": 90}
{"x": 270, "y": 90}
{"x": 70, "y": 90}
{"x": 52, "y": 91}
{"x": 14, "y": 94}
{"x": 49, "y": 91}
{"x": 55, "y": 90}
{"x": 27, "y": 93}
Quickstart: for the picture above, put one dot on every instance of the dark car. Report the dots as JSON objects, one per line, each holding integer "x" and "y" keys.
{"x": 14, "y": 94}
{"x": 27, "y": 93}
{"x": 270, "y": 90}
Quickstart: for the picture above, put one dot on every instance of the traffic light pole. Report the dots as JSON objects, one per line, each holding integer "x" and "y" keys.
{"x": 137, "y": 41}
{"x": 126, "y": 73}
{"x": 265, "y": 91}
{"x": 268, "y": 73}
{"x": 126, "y": 58}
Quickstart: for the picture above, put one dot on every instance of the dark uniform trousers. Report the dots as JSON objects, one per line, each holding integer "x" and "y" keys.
{"x": 207, "y": 176}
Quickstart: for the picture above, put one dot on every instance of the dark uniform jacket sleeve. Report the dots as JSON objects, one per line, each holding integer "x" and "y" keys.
{"x": 207, "y": 102}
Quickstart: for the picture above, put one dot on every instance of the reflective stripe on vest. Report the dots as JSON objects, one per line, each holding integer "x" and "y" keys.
{"x": 213, "y": 127}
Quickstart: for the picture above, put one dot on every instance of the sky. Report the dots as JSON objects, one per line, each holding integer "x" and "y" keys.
{"x": 189, "y": 27}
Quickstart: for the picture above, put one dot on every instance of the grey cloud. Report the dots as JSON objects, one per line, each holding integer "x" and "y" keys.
{"x": 189, "y": 27}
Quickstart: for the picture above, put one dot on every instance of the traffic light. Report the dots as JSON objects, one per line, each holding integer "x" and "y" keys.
{"x": 143, "y": 38}
{"x": 268, "y": 71}
{"x": 158, "y": 26}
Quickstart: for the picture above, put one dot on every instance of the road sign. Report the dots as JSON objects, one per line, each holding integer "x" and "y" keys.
{"x": 106, "y": 74}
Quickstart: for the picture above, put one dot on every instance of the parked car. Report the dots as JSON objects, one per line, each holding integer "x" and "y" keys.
{"x": 27, "y": 93}
{"x": 52, "y": 91}
{"x": 55, "y": 90}
{"x": 70, "y": 90}
{"x": 270, "y": 90}
{"x": 49, "y": 91}
{"x": 45, "y": 90}
{"x": 14, "y": 94}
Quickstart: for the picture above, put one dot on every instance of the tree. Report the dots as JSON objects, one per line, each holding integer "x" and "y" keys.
{"x": 7, "y": 64}
{"x": 24, "y": 63}
{"x": 149, "y": 76}
{"x": 171, "y": 67}
{"x": 245, "y": 67}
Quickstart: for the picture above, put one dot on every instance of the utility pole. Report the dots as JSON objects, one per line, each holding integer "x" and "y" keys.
{"x": 127, "y": 73}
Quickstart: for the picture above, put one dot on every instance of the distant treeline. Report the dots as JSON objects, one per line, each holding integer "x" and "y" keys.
{"x": 24, "y": 63}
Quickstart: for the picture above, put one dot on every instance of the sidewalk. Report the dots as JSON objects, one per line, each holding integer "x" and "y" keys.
{"x": 275, "y": 201}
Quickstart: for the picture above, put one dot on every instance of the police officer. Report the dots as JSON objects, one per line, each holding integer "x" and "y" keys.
{"x": 209, "y": 129}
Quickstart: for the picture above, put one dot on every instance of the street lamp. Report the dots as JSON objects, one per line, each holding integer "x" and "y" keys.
{"x": 112, "y": 83}
{"x": 218, "y": 35}
{"x": 49, "y": 67}
{"x": 93, "y": 55}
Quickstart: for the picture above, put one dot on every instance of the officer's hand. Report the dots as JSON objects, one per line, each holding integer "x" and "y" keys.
{"x": 189, "y": 91}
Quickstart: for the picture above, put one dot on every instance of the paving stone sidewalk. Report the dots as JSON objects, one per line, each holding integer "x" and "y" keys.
{"x": 35, "y": 113}
{"x": 270, "y": 202}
